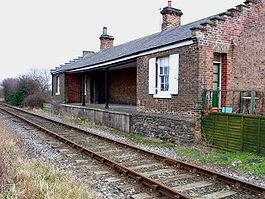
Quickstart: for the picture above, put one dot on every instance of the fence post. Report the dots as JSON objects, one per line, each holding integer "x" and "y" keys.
{"x": 241, "y": 101}
{"x": 233, "y": 102}
{"x": 253, "y": 102}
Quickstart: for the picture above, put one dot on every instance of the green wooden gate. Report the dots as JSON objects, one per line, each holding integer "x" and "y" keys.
{"x": 235, "y": 132}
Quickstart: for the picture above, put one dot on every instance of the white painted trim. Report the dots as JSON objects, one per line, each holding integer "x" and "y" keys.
{"x": 169, "y": 47}
{"x": 163, "y": 94}
{"x": 57, "y": 85}
{"x": 220, "y": 80}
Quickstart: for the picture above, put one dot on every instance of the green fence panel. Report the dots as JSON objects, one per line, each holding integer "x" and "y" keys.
{"x": 235, "y": 132}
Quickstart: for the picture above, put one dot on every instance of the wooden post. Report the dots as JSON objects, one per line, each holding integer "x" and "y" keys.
{"x": 106, "y": 88}
{"x": 233, "y": 102}
{"x": 253, "y": 102}
{"x": 83, "y": 90}
{"x": 241, "y": 102}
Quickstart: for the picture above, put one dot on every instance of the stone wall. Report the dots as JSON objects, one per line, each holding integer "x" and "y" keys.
{"x": 171, "y": 129}
{"x": 113, "y": 119}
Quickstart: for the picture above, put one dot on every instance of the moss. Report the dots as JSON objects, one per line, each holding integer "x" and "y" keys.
{"x": 198, "y": 28}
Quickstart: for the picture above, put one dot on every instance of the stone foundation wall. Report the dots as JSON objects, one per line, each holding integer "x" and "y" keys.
{"x": 116, "y": 120}
{"x": 166, "y": 128}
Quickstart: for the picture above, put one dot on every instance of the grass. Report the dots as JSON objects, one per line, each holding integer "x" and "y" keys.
{"x": 245, "y": 162}
{"x": 31, "y": 178}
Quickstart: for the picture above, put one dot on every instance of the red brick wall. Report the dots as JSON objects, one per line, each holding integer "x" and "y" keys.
{"x": 185, "y": 103}
{"x": 74, "y": 82}
{"x": 106, "y": 43}
{"x": 122, "y": 86}
{"x": 170, "y": 20}
{"x": 243, "y": 64}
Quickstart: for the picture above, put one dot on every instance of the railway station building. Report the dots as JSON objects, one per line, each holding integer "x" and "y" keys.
{"x": 159, "y": 84}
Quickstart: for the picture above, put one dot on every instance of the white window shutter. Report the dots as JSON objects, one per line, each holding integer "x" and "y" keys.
{"x": 173, "y": 73}
{"x": 152, "y": 75}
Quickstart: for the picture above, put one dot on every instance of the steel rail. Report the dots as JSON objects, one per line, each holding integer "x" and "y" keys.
{"x": 156, "y": 186}
{"x": 236, "y": 183}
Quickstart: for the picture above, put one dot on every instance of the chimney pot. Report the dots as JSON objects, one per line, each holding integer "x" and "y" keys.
{"x": 169, "y": 3}
{"x": 104, "y": 30}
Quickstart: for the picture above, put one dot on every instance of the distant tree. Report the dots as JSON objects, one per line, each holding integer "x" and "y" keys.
{"x": 42, "y": 76}
{"x": 10, "y": 86}
{"x": 1, "y": 92}
{"x": 30, "y": 89}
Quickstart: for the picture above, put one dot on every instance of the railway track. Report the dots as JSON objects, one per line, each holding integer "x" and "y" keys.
{"x": 170, "y": 177}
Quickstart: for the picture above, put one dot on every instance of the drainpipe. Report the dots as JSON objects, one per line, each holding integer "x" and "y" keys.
{"x": 106, "y": 88}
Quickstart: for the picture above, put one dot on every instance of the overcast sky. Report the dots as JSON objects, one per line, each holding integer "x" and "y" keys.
{"x": 48, "y": 33}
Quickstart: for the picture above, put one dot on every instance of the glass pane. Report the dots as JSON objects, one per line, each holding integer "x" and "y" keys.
{"x": 161, "y": 70}
{"x": 215, "y": 68}
{"x": 166, "y": 70}
{"x": 166, "y": 87}
{"x": 215, "y": 86}
{"x": 162, "y": 80}
{"x": 215, "y": 77}
{"x": 166, "y": 79}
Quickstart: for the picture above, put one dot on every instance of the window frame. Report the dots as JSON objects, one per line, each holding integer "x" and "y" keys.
{"x": 159, "y": 93}
{"x": 57, "y": 85}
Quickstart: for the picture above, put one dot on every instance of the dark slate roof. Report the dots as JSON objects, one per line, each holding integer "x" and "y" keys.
{"x": 157, "y": 40}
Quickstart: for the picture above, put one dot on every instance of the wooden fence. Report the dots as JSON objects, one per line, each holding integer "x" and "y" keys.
{"x": 235, "y": 132}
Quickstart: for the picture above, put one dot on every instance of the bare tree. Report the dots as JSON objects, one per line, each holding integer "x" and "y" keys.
{"x": 1, "y": 92}
{"x": 10, "y": 86}
{"x": 42, "y": 76}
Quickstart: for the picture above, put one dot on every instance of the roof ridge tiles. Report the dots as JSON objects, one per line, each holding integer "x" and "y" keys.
{"x": 250, "y": 1}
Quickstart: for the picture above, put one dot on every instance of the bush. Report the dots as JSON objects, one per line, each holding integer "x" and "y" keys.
{"x": 35, "y": 101}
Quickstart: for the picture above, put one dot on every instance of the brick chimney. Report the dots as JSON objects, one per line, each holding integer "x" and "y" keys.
{"x": 86, "y": 52}
{"x": 171, "y": 17}
{"x": 106, "y": 41}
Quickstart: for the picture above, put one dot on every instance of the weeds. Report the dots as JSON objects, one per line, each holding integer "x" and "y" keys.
{"x": 34, "y": 178}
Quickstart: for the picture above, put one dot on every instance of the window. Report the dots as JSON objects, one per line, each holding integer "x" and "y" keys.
{"x": 217, "y": 79}
{"x": 57, "y": 85}
{"x": 163, "y": 76}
